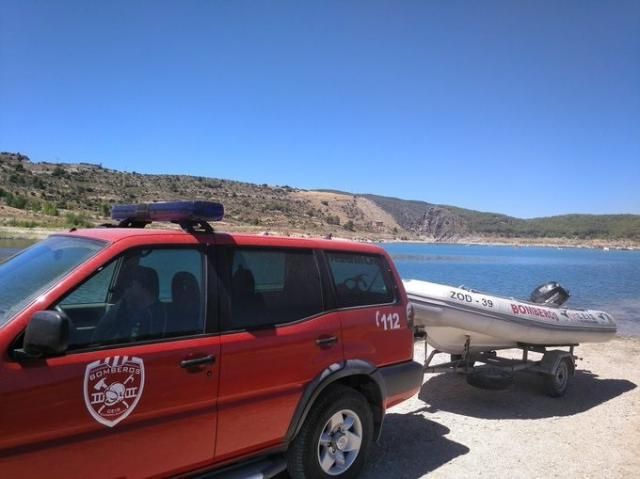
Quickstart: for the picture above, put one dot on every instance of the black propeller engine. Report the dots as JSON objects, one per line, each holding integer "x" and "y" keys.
{"x": 551, "y": 294}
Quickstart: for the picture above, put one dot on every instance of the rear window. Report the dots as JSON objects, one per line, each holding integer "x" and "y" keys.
{"x": 360, "y": 279}
{"x": 271, "y": 286}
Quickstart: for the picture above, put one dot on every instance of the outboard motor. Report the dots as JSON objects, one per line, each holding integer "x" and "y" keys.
{"x": 551, "y": 293}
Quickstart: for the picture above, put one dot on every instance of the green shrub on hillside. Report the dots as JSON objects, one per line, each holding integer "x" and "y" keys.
{"x": 77, "y": 221}
{"x": 22, "y": 223}
{"x": 16, "y": 201}
{"x": 50, "y": 209}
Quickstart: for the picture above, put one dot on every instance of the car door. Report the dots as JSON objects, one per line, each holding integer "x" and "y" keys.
{"x": 373, "y": 317}
{"x": 276, "y": 338}
{"x": 116, "y": 406}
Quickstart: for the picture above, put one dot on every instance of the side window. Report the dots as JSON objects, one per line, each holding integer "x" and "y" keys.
{"x": 266, "y": 267}
{"x": 144, "y": 294}
{"x": 360, "y": 279}
{"x": 94, "y": 291}
{"x": 168, "y": 263}
{"x": 269, "y": 287}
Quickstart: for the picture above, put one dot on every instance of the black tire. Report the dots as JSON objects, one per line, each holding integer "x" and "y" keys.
{"x": 303, "y": 456}
{"x": 556, "y": 384}
{"x": 490, "y": 378}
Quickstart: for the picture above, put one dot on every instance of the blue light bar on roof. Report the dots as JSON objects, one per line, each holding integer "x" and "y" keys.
{"x": 175, "y": 211}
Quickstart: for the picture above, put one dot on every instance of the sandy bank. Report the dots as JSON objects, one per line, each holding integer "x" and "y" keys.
{"x": 15, "y": 232}
{"x": 451, "y": 430}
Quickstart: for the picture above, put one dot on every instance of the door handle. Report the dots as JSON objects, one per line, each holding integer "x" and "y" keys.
{"x": 326, "y": 341}
{"x": 195, "y": 362}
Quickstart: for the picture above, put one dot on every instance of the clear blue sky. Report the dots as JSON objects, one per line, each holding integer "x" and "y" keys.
{"x": 529, "y": 108}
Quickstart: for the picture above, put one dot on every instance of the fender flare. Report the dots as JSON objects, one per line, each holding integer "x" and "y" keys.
{"x": 551, "y": 360}
{"x": 333, "y": 373}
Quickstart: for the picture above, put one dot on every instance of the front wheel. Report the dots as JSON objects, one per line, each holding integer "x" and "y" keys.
{"x": 335, "y": 437}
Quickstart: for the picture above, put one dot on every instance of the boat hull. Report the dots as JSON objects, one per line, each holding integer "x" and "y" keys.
{"x": 449, "y": 315}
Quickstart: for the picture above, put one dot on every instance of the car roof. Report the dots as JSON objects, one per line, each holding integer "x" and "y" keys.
{"x": 113, "y": 235}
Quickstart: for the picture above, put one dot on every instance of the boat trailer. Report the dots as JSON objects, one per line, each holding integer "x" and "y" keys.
{"x": 496, "y": 372}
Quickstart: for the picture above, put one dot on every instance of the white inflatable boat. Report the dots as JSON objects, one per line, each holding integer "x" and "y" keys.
{"x": 452, "y": 315}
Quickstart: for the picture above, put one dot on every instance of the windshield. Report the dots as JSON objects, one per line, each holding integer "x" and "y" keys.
{"x": 30, "y": 273}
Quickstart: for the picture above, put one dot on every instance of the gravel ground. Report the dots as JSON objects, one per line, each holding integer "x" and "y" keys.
{"x": 452, "y": 430}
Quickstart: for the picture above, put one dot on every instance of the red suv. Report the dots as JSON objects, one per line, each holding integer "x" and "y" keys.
{"x": 133, "y": 352}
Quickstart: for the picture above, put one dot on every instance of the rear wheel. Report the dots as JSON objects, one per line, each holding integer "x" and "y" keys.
{"x": 556, "y": 384}
{"x": 335, "y": 438}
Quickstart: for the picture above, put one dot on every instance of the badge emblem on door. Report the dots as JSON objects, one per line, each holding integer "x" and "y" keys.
{"x": 113, "y": 387}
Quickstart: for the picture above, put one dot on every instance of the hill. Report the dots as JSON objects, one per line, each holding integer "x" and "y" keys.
{"x": 53, "y": 195}
{"x": 59, "y": 195}
{"x": 445, "y": 223}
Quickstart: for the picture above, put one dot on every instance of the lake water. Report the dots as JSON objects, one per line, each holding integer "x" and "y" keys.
{"x": 606, "y": 280}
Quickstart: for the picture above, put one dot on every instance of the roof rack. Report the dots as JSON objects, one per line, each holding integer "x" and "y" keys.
{"x": 192, "y": 216}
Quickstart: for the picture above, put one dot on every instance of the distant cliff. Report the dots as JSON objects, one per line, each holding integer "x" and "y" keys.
{"x": 443, "y": 223}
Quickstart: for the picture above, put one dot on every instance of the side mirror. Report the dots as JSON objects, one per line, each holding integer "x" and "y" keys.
{"x": 46, "y": 335}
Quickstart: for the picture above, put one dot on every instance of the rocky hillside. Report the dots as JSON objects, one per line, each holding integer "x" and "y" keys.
{"x": 447, "y": 223}
{"x": 60, "y": 195}
{"x": 57, "y": 195}
{"x": 428, "y": 220}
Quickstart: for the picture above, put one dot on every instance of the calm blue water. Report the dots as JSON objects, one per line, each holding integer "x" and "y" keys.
{"x": 606, "y": 280}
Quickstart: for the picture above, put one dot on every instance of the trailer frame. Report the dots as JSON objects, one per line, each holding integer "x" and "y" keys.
{"x": 496, "y": 372}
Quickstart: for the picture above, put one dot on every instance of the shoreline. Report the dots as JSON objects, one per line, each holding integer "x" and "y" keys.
{"x": 559, "y": 243}
{"x": 38, "y": 233}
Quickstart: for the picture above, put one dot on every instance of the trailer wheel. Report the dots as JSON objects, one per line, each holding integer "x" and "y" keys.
{"x": 490, "y": 378}
{"x": 556, "y": 383}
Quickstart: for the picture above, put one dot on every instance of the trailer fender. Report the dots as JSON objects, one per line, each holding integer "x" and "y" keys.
{"x": 551, "y": 360}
